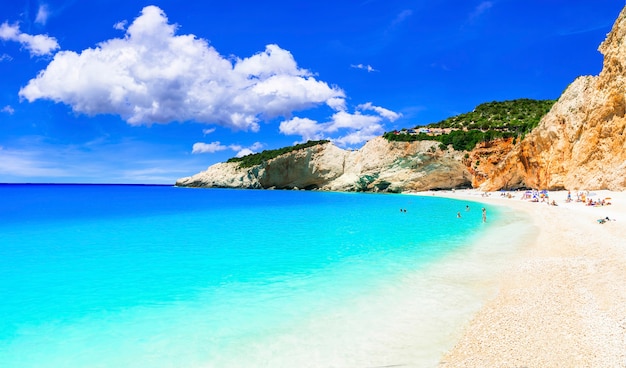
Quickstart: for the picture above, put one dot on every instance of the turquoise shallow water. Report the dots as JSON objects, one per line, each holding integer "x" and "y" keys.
{"x": 137, "y": 276}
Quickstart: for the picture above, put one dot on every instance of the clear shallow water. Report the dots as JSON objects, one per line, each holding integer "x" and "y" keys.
{"x": 136, "y": 276}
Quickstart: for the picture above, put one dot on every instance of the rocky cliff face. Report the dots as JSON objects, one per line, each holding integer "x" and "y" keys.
{"x": 483, "y": 159}
{"x": 581, "y": 142}
{"x": 378, "y": 166}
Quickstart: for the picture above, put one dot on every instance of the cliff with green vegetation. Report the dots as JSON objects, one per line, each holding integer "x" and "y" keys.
{"x": 454, "y": 153}
{"x": 379, "y": 166}
{"x": 258, "y": 158}
{"x": 577, "y": 142}
{"x": 515, "y": 116}
{"x": 488, "y": 122}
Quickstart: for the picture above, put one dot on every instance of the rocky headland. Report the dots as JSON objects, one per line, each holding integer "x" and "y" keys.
{"x": 378, "y": 166}
{"x": 579, "y": 144}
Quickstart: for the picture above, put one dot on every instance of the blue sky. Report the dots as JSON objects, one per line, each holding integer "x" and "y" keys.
{"x": 95, "y": 91}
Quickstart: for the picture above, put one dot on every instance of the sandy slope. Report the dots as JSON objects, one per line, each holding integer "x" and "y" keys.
{"x": 563, "y": 303}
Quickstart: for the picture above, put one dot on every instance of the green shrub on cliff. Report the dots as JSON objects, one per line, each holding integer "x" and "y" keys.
{"x": 487, "y": 122}
{"x": 459, "y": 139}
{"x": 254, "y": 159}
{"x": 520, "y": 115}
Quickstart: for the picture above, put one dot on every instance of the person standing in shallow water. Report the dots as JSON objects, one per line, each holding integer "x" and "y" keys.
{"x": 484, "y": 215}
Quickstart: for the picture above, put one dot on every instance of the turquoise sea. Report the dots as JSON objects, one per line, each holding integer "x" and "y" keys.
{"x": 158, "y": 276}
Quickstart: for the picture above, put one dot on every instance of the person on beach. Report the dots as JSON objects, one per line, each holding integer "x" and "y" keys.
{"x": 484, "y": 215}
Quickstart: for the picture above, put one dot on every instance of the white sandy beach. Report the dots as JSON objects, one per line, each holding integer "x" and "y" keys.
{"x": 563, "y": 302}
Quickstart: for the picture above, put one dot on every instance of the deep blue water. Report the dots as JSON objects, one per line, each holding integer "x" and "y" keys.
{"x": 138, "y": 276}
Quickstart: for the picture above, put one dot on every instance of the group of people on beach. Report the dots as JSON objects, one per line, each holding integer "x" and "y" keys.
{"x": 584, "y": 197}
{"x": 538, "y": 196}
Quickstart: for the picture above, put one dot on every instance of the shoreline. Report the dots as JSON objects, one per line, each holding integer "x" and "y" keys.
{"x": 562, "y": 302}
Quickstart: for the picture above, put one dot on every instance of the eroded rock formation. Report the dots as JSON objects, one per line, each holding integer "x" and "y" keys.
{"x": 581, "y": 142}
{"x": 378, "y": 166}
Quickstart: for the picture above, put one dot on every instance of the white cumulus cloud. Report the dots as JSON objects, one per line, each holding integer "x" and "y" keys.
{"x": 306, "y": 128}
{"x": 337, "y": 104}
{"x": 208, "y": 147}
{"x": 356, "y": 121}
{"x": 217, "y": 146}
{"x": 153, "y": 75}
{"x": 256, "y": 146}
{"x": 343, "y": 128}
{"x": 359, "y": 136}
{"x": 244, "y": 151}
{"x": 37, "y": 45}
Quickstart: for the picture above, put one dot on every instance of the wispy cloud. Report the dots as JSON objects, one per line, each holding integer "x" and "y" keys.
{"x": 385, "y": 113}
{"x": 37, "y": 45}
{"x": 208, "y": 131}
{"x": 481, "y": 9}
{"x": 155, "y": 171}
{"x": 401, "y": 17}
{"x": 590, "y": 28}
{"x": 441, "y": 66}
{"x": 5, "y": 57}
{"x": 121, "y": 25}
{"x": 42, "y": 14}
{"x": 8, "y": 109}
{"x": 367, "y": 67}
{"x": 34, "y": 159}
{"x": 28, "y": 164}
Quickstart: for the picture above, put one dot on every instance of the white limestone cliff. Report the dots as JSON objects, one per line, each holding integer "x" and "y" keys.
{"x": 378, "y": 166}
